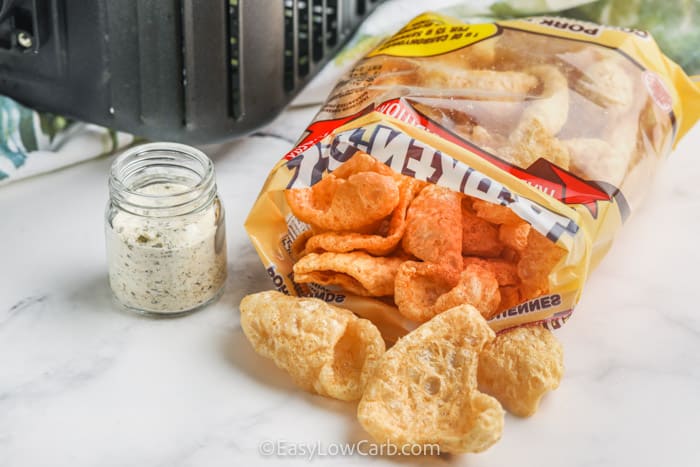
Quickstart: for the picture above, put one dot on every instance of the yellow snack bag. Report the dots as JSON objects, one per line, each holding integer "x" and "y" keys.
{"x": 548, "y": 129}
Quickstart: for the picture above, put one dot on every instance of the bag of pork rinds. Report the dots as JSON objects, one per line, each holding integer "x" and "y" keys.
{"x": 488, "y": 164}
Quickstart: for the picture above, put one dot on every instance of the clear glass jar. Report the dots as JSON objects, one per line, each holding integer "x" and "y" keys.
{"x": 165, "y": 232}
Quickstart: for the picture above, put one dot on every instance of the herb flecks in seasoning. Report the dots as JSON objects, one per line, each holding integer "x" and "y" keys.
{"x": 168, "y": 264}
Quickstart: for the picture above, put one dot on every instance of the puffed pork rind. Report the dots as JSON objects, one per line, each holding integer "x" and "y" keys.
{"x": 433, "y": 231}
{"x": 514, "y": 235}
{"x": 425, "y": 387}
{"x": 325, "y": 349}
{"x": 520, "y": 366}
{"x": 355, "y": 203}
{"x": 479, "y": 236}
{"x": 536, "y": 263}
{"x": 357, "y": 272}
{"x": 418, "y": 286}
{"x": 478, "y": 287}
{"x": 382, "y": 242}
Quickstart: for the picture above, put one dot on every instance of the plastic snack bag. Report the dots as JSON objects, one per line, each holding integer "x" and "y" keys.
{"x": 487, "y": 164}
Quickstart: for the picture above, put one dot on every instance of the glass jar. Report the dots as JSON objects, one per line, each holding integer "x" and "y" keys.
{"x": 165, "y": 232}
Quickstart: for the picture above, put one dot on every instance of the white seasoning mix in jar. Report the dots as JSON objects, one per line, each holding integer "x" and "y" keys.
{"x": 165, "y": 232}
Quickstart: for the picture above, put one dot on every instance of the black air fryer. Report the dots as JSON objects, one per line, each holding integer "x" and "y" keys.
{"x": 196, "y": 71}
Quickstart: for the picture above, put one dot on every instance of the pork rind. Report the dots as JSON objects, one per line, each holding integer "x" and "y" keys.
{"x": 433, "y": 231}
{"x": 514, "y": 235}
{"x": 536, "y": 263}
{"x": 510, "y": 296}
{"x": 478, "y": 287}
{"x": 355, "y": 203}
{"x": 383, "y": 241}
{"x": 418, "y": 286}
{"x": 362, "y": 162}
{"x": 483, "y": 84}
{"x": 479, "y": 236}
{"x": 495, "y": 213}
{"x": 504, "y": 271}
{"x": 326, "y": 350}
{"x": 520, "y": 366}
{"x": 356, "y": 272}
{"x": 425, "y": 387}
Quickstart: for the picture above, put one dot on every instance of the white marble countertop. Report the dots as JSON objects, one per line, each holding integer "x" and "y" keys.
{"x": 83, "y": 384}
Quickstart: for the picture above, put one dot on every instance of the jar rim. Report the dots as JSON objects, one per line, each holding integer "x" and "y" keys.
{"x": 189, "y": 199}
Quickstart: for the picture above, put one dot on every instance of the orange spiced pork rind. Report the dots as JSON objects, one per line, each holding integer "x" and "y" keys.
{"x": 433, "y": 231}
{"x": 356, "y": 196}
{"x": 437, "y": 249}
{"x": 356, "y": 272}
{"x": 382, "y": 241}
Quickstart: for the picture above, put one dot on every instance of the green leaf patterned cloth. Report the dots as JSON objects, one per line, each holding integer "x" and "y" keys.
{"x": 33, "y": 142}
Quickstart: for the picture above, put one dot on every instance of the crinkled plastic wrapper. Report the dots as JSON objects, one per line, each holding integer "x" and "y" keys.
{"x": 490, "y": 163}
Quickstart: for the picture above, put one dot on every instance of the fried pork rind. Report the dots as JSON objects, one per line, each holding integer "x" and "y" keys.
{"x": 505, "y": 272}
{"x": 606, "y": 83}
{"x": 514, "y": 235}
{"x": 520, "y": 366}
{"x": 362, "y": 162}
{"x": 595, "y": 159}
{"x": 477, "y": 84}
{"x": 452, "y": 114}
{"x": 495, "y": 213}
{"x": 534, "y": 136}
{"x": 354, "y": 203}
{"x": 425, "y": 388}
{"x": 536, "y": 263}
{"x": 477, "y": 286}
{"x": 326, "y": 350}
{"x": 551, "y": 108}
{"x": 433, "y": 230}
{"x": 479, "y": 237}
{"x": 532, "y": 142}
{"x": 510, "y": 297}
{"x": 424, "y": 290}
{"x": 357, "y": 272}
{"x": 418, "y": 286}
{"x": 377, "y": 243}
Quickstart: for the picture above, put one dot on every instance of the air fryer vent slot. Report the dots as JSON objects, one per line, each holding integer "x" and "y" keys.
{"x": 332, "y": 23}
{"x": 313, "y": 29}
{"x": 234, "y": 63}
{"x": 303, "y": 55}
{"x": 317, "y": 19}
